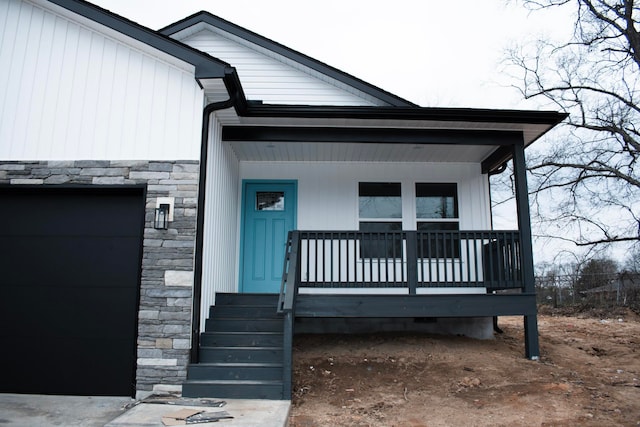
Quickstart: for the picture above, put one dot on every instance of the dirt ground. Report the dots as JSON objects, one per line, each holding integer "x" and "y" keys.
{"x": 588, "y": 375}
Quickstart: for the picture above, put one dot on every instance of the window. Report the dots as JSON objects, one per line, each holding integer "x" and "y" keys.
{"x": 380, "y": 211}
{"x": 270, "y": 201}
{"x": 437, "y": 210}
{"x": 436, "y": 201}
{"x": 379, "y": 200}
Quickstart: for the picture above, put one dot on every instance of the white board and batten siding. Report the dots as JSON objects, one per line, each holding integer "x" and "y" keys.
{"x": 272, "y": 80}
{"x": 328, "y": 191}
{"x": 222, "y": 208}
{"x": 328, "y": 200}
{"x": 71, "y": 90}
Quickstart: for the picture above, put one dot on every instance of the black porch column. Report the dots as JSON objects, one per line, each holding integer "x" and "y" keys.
{"x": 532, "y": 347}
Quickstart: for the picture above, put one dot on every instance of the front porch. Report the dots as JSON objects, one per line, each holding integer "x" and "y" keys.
{"x": 247, "y": 346}
{"x": 405, "y": 274}
{"x": 416, "y": 189}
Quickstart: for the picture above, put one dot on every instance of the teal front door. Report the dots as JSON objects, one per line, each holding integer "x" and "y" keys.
{"x": 269, "y": 213}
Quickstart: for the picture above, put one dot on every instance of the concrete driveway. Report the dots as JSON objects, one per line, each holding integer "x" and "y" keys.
{"x": 39, "y": 410}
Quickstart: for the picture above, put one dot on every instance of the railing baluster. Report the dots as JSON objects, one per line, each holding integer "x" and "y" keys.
{"x": 339, "y": 260}
{"x": 331, "y": 267}
{"x": 477, "y": 242}
{"x": 468, "y": 242}
{"x": 501, "y": 259}
{"x": 492, "y": 265}
{"x": 458, "y": 246}
{"x": 347, "y": 264}
{"x": 512, "y": 245}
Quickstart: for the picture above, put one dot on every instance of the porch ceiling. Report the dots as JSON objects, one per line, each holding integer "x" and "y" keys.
{"x": 530, "y": 131}
{"x": 260, "y": 132}
{"x": 357, "y": 152}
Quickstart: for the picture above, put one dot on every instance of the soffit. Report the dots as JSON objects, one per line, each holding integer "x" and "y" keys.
{"x": 357, "y": 152}
{"x": 369, "y": 152}
{"x": 530, "y": 131}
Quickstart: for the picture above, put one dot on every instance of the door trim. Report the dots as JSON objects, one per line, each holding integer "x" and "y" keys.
{"x": 245, "y": 183}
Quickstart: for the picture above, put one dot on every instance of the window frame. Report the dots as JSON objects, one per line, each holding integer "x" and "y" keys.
{"x": 385, "y": 246}
{"x": 445, "y": 248}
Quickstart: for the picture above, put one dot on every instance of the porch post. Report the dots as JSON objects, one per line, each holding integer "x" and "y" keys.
{"x": 532, "y": 347}
{"x": 412, "y": 261}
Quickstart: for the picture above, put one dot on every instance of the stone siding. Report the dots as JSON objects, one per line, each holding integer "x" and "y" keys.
{"x": 164, "y": 317}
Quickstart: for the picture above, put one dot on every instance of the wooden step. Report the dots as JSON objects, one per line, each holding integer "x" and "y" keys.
{"x": 241, "y": 354}
{"x": 241, "y": 351}
{"x": 244, "y": 311}
{"x": 248, "y": 389}
{"x": 247, "y": 299}
{"x": 243, "y": 325}
{"x": 241, "y": 339}
{"x": 235, "y": 371}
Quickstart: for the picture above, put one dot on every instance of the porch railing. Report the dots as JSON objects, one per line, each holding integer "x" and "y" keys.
{"x": 405, "y": 259}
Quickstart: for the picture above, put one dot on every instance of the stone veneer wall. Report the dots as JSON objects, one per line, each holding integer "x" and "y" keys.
{"x": 164, "y": 317}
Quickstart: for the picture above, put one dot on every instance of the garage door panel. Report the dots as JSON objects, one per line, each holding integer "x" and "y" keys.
{"x": 70, "y": 260}
{"x": 74, "y": 261}
{"x": 89, "y": 367}
{"x": 69, "y": 312}
{"x": 57, "y": 213}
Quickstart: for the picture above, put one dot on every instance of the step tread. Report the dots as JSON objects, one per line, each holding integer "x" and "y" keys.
{"x": 242, "y": 333}
{"x": 236, "y": 382}
{"x": 279, "y": 319}
{"x": 248, "y": 297}
{"x": 226, "y": 347}
{"x": 270, "y": 307}
{"x": 238, "y": 364}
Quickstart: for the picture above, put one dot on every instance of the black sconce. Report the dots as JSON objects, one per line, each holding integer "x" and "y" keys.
{"x": 161, "y": 221}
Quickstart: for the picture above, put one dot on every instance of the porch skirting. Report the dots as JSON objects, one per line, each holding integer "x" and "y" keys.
{"x": 472, "y": 327}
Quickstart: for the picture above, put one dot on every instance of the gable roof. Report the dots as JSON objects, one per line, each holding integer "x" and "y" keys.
{"x": 215, "y": 74}
{"x": 204, "y": 17}
{"x": 206, "y": 66}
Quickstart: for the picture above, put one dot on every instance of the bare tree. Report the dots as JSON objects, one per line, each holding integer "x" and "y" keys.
{"x": 632, "y": 261}
{"x": 596, "y": 273}
{"x": 585, "y": 184}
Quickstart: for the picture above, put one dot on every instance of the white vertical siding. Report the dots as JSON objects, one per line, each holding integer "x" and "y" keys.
{"x": 267, "y": 79}
{"x": 328, "y": 191}
{"x": 328, "y": 200}
{"x": 221, "y": 220}
{"x": 68, "y": 92}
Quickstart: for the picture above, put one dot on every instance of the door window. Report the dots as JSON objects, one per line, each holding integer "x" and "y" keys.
{"x": 270, "y": 200}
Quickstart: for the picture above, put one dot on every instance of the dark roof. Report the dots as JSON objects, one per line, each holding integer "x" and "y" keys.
{"x": 294, "y": 55}
{"x": 206, "y": 66}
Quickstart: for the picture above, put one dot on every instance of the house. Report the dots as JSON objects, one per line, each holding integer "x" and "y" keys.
{"x": 148, "y": 178}
{"x": 622, "y": 290}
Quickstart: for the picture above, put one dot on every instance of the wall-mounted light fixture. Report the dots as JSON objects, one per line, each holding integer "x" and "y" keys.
{"x": 161, "y": 221}
{"x": 163, "y": 213}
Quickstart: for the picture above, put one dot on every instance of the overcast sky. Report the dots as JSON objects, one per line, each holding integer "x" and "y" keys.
{"x": 433, "y": 53}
